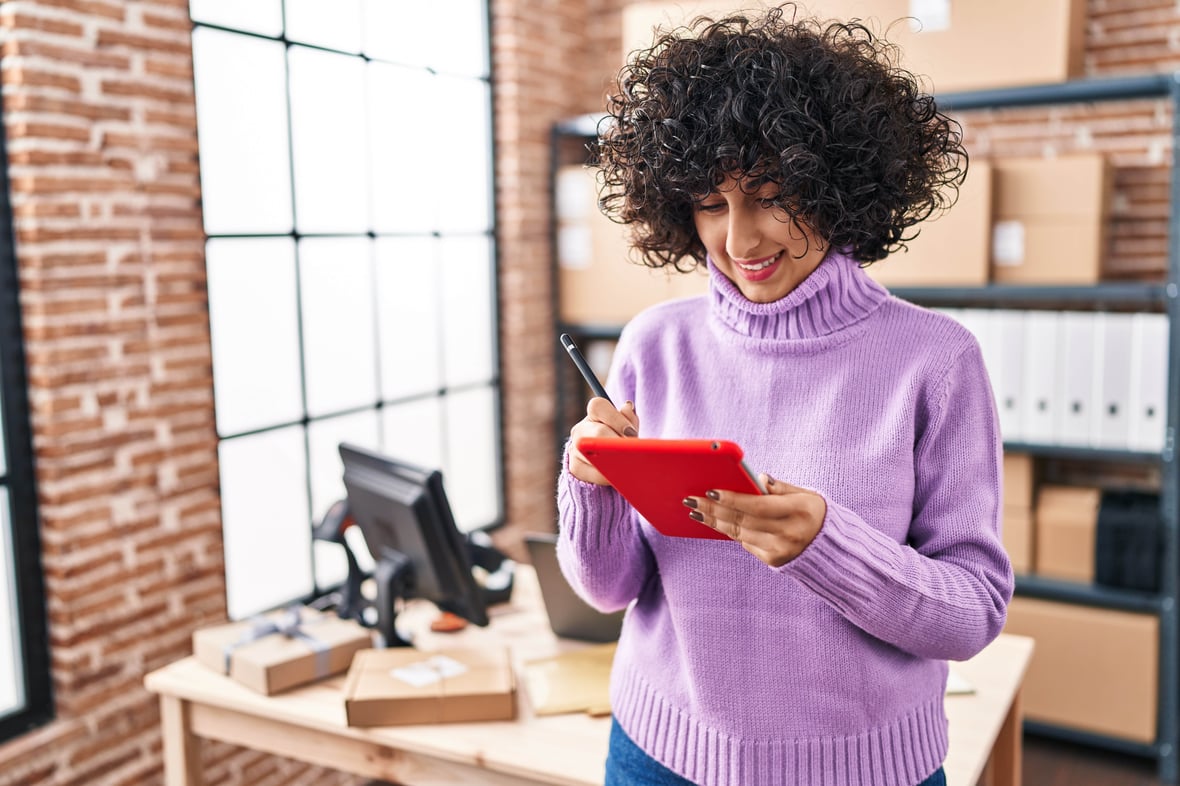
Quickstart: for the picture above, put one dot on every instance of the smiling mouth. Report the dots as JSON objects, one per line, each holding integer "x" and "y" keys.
{"x": 762, "y": 264}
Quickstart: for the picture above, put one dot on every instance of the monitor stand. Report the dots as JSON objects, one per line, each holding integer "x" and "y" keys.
{"x": 394, "y": 577}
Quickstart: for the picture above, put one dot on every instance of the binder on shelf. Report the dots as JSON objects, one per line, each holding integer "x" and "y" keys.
{"x": 1076, "y": 383}
{"x": 1039, "y": 398}
{"x": 1007, "y": 335}
{"x": 1149, "y": 382}
{"x": 1112, "y": 421}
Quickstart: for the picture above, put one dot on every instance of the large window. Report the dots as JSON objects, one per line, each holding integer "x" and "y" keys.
{"x": 346, "y": 176}
{"x": 25, "y": 699}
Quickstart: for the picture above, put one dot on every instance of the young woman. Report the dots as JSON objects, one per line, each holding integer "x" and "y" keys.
{"x": 810, "y": 648}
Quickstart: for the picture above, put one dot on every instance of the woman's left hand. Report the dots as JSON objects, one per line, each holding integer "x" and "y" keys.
{"x": 775, "y": 527}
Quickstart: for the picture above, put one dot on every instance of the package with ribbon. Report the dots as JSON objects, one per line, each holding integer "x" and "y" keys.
{"x": 281, "y": 650}
{"x": 399, "y": 686}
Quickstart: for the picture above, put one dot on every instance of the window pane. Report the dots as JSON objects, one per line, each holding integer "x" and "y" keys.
{"x": 242, "y": 125}
{"x": 255, "y": 333}
{"x": 468, "y": 317}
{"x": 324, "y": 438}
{"x": 472, "y": 464}
{"x": 256, "y": 16}
{"x": 328, "y": 133}
{"x": 413, "y": 432}
{"x": 407, "y": 313}
{"x": 265, "y": 520}
{"x": 327, "y": 484}
{"x": 339, "y": 331}
{"x": 402, "y": 33}
{"x": 463, "y": 130}
{"x": 402, "y": 175}
{"x": 335, "y": 25}
{"x": 12, "y": 695}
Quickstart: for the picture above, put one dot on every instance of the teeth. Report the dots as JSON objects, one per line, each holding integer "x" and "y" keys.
{"x": 761, "y": 265}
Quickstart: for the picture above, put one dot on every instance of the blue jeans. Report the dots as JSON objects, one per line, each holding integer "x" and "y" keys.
{"x": 628, "y": 765}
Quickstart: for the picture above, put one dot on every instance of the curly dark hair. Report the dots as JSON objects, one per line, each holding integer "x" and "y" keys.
{"x": 859, "y": 152}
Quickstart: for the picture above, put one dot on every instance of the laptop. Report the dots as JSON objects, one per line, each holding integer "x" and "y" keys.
{"x": 569, "y": 616}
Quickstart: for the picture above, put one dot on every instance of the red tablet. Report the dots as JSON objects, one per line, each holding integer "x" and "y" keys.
{"x": 655, "y": 475}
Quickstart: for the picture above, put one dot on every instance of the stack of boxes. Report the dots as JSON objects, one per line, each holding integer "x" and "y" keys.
{"x": 1017, "y": 529}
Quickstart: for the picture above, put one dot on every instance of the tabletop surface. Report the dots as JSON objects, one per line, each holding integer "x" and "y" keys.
{"x": 568, "y": 748}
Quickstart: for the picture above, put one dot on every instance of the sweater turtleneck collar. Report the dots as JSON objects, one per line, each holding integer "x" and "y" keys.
{"x": 836, "y": 295}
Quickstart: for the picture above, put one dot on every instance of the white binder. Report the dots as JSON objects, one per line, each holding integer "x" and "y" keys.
{"x": 1149, "y": 382}
{"x": 1076, "y": 383}
{"x": 1007, "y": 333}
{"x": 1112, "y": 421}
{"x": 1039, "y": 399}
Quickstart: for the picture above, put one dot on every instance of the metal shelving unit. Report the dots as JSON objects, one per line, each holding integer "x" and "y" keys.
{"x": 1104, "y": 296}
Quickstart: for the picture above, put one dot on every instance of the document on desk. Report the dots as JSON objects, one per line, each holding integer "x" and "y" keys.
{"x": 956, "y": 684}
{"x": 577, "y": 681}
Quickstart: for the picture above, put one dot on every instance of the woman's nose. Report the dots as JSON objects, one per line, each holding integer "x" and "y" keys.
{"x": 743, "y": 237}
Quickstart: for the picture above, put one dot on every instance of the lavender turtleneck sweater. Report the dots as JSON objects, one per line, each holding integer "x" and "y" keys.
{"x": 830, "y": 670}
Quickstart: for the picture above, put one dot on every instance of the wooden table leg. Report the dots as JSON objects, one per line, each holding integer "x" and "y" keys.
{"x": 182, "y": 748}
{"x": 1006, "y": 765}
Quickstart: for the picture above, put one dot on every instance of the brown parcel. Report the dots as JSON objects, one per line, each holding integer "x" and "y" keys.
{"x": 1018, "y": 538}
{"x": 402, "y": 686}
{"x": 1043, "y": 42}
{"x": 952, "y": 248}
{"x": 1051, "y": 219}
{"x": 277, "y": 662}
{"x": 1093, "y": 669}
{"x": 1066, "y": 531}
{"x": 600, "y": 282}
{"x": 1019, "y": 480}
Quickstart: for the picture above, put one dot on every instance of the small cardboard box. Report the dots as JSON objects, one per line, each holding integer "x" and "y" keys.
{"x": 1066, "y": 531}
{"x": 1017, "y": 535}
{"x": 401, "y": 686}
{"x": 1019, "y": 480}
{"x": 951, "y": 249}
{"x": 281, "y": 650}
{"x": 952, "y": 42}
{"x": 1093, "y": 669}
{"x": 1051, "y": 222}
{"x": 599, "y": 278}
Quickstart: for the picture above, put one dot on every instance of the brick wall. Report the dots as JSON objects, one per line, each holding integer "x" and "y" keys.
{"x": 102, "y": 154}
{"x": 539, "y": 56}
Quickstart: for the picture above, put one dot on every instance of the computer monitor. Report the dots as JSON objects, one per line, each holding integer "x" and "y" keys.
{"x": 403, "y": 513}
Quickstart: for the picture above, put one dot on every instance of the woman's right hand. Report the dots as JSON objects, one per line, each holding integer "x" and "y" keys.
{"x": 602, "y": 420}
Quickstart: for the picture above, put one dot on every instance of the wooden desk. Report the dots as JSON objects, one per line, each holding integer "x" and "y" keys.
{"x": 308, "y": 724}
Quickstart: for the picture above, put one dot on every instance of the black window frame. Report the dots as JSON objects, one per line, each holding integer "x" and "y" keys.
{"x": 20, "y": 480}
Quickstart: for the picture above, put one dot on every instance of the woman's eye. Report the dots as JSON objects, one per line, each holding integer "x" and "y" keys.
{"x": 767, "y": 204}
{"x": 710, "y": 207}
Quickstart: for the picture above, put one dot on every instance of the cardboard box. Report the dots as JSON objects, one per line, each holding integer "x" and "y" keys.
{"x": 958, "y": 44}
{"x": 1019, "y": 480}
{"x": 402, "y": 685}
{"x": 1051, "y": 219}
{"x": 1017, "y": 535}
{"x": 599, "y": 280}
{"x": 315, "y": 645}
{"x": 1066, "y": 530}
{"x": 1095, "y": 670}
{"x": 952, "y": 249}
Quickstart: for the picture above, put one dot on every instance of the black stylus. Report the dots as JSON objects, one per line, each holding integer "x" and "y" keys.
{"x": 584, "y": 367}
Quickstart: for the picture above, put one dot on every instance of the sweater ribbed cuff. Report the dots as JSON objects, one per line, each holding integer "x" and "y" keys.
{"x": 849, "y": 563}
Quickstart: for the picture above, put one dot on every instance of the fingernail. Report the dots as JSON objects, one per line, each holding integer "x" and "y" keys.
{"x": 629, "y": 403}
{"x": 696, "y": 515}
{"x": 689, "y": 502}
{"x": 711, "y": 494}
{"x": 630, "y": 432}
{"x": 769, "y": 481}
